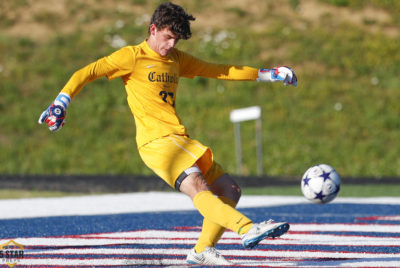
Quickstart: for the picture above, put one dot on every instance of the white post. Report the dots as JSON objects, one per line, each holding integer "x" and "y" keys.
{"x": 245, "y": 114}
{"x": 238, "y": 142}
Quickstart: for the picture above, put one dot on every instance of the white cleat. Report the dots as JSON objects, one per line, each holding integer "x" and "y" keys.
{"x": 210, "y": 256}
{"x": 259, "y": 231}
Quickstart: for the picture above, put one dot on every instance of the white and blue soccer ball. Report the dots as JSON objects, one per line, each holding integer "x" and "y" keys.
{"x": 320, "y": 184}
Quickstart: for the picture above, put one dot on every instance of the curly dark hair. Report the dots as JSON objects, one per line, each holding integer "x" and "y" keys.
{"x": 174, "y": 17}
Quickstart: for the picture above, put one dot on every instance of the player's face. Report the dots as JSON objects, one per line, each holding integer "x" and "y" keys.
{"x": 162, "y": 41}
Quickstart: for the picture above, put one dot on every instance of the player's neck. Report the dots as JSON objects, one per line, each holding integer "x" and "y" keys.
{"x": 152, "y": 45}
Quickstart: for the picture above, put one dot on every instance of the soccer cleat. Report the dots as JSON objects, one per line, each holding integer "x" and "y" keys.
{"x": 210, "y": 256}
{"x": 259, "y": 231}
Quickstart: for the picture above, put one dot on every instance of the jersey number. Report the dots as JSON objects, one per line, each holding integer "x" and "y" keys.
{"x": 164, "y": 95}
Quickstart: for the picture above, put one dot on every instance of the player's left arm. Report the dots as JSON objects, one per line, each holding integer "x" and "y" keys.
{"x": 196, "y": 67}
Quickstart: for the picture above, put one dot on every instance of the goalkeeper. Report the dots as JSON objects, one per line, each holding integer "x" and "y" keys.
{"x": 151, "y": 71}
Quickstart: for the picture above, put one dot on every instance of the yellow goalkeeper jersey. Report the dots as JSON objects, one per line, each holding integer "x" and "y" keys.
{"x": 151, "y": 83}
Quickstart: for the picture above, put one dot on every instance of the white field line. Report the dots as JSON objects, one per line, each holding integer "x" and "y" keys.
{"x": 289, "y": 238}
{"x": 149, "y": 202}
{"x": 60, "y": 262}
{"x": 338, "y": 227}
{"x": 365, "y": 263}
{"x": 328, "y": 241}
{"x": 331, "y": 227}
{"x": 227, "y": 253}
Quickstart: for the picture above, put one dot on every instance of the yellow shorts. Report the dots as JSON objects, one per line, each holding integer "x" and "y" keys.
{"x": 169, "y": 156}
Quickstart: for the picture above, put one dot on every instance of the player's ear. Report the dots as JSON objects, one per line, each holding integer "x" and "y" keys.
{"x": 152, "y": 29}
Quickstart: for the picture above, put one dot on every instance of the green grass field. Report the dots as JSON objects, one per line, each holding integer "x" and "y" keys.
{"x": 345, "y": 111}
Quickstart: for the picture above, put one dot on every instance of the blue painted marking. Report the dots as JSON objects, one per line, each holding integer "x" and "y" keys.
{"x": 74, "y": 225}
{"x": 303, "y": 213}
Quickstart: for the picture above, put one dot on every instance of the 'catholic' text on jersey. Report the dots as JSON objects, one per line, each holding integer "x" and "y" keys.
{"x": 163, "y": 77}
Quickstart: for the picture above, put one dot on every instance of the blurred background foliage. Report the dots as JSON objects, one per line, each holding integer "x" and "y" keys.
{"x": 345, "y": 111}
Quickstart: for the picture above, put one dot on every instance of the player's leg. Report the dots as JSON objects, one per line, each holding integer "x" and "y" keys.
{"x": 195, "y": 186}
{"x": 211, "y": 207}
{"x": 226, "y": 187}
{"x": 222, "y": 214}
{"x": 228, "y": 192}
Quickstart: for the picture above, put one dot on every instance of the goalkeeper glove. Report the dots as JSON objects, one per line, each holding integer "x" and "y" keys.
{"x": 284, "y": 74}
{"x": 54, "y": 115}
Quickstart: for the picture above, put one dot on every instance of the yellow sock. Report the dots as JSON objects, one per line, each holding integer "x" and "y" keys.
{"x": 245, "y": 228}
{"x": 216, "y": 211}
{"x": 212, "y": 232}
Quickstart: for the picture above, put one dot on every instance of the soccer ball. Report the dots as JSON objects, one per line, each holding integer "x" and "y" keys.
{"x": 320, "y": 184}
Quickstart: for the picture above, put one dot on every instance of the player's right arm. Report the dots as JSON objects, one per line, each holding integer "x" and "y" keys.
{"x": 117, "y": 64}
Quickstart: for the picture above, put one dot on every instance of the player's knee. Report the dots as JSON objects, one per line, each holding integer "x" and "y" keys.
{"x": 226, "y": 186}
{"x": 236, "y": 192}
